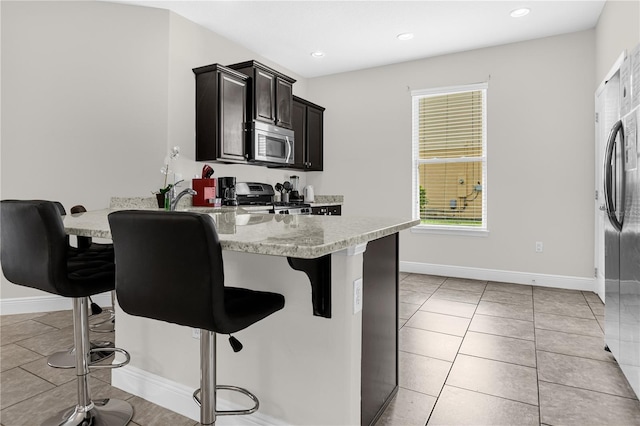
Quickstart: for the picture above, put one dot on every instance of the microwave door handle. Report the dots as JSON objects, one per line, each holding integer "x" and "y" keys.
{"x": 288, "y": 149}
{"x": 608, "y": 175}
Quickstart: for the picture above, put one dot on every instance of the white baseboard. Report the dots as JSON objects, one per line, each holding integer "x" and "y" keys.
{"x": 178, "y": 398}
{"x": 48, "y": 303}
{"x": 542, "y": 280}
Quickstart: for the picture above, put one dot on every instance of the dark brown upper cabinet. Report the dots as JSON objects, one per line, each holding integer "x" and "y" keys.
{"x": 270, "y": 93}
{"x": 308, "y": 127}
{"x": 221, "y": 114}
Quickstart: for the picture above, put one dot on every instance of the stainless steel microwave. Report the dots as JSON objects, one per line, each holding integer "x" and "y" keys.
{"x": 271, "y": 144}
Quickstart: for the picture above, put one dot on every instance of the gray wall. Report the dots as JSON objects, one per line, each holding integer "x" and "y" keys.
{"x": 618, "y": 29}
{"x": 93, "y": 96}
{"x": 84, "y": 103}
{"x": 540, "y": 151}
{"x": 540, "y": 146}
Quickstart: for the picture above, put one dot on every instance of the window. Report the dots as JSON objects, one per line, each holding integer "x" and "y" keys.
{"x": 450, "y": 159}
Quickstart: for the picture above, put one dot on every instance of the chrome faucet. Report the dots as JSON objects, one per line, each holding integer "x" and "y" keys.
{"x": 171, "y": 194}
{"x": 174, "y": 199}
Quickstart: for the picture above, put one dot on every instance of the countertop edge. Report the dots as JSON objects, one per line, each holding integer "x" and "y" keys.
{"x": 317, "y": 251}
{"x": 357, "y": 230}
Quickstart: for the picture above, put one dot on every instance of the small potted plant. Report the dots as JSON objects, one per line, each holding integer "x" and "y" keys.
{"x": 161, "y": 194}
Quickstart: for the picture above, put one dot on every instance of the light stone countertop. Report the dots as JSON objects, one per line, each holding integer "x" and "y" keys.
{"x": 327, "y": 200}
{"x": 302, "y": 236}
{"x": 185, "y": 203}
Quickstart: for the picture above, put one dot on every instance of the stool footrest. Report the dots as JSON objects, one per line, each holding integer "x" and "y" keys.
{"x": 232, "y": 412}
{"x": 118, "y": 365}
{"x": 67, "y": 359}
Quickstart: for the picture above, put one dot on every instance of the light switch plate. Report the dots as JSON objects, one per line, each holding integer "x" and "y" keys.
{"x": 357, "y": 295}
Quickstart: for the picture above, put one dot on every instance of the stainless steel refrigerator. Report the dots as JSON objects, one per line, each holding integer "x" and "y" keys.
{"x": 622, "y": 230}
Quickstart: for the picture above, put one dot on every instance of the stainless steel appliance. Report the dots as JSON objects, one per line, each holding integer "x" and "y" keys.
{"x": 622, "y": 230}
{"x": 227, "y": 190}
{"x": 271, "y": 144}
{"x": 295, "y": 193}
{"x": 258, "y": 198}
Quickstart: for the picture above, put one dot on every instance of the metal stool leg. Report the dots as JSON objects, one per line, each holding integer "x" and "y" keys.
{"x": 108, "y": 412}
{"x": 67, "y": 359}
{"x": 208, "y": 388}
{"x": 208, "y": 377}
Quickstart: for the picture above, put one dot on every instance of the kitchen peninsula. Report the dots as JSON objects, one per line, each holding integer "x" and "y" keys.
{"x": 329, "y": 357}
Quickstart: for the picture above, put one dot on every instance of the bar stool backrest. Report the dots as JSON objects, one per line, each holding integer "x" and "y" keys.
{"x": 169, "y": 267}
{"x": 35, "y": 252}
{"x": 34, "y": 245}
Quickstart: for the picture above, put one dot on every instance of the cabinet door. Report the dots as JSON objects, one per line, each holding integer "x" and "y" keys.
{"x": 284, "y": 99}
{"x": 314, "y": 138}
{"x": 265, "y": 90}
{"x": 299, "y": 121}
{"x": 207, "y": 140}
{"x": 232, "y": 118}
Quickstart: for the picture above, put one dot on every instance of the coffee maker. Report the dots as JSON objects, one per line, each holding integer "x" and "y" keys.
{"x": 227, "y": 190}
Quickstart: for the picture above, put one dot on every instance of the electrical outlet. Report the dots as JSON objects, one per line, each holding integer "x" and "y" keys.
{"x": 539, "y": 247}
{"x": 195, "y": 333}
{"x": 357, "y": 295}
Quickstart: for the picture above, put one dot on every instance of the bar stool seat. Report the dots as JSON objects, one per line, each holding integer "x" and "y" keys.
{"x": 170, "y": 268}
{"x": 35, "y": 253}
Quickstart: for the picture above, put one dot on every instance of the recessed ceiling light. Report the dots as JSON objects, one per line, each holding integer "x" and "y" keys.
{"x": 519, "y": 13}
{"x": 317, "y": 54}
{"x": 405, "y": 36}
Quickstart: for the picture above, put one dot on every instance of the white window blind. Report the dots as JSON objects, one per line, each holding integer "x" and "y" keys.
{"x": 449, "y": 157}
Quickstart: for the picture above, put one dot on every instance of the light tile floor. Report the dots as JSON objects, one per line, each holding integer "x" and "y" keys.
{"x": 484, "y": 353}
{"x": 471, "y": 352}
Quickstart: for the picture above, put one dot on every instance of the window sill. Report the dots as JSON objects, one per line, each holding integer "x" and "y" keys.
{"x": 450, "y": 230}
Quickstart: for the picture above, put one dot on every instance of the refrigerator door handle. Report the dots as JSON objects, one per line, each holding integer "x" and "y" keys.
{"x": 608, "y": 175}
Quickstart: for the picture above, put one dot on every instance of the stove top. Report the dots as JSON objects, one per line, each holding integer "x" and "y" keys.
{"x": 254, "y": 194}
{"x": 276, "y": 204}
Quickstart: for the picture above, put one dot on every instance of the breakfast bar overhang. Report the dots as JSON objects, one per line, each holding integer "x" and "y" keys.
{"x": 328, "y": 358}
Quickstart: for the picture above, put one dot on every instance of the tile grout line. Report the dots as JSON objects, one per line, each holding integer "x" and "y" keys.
{"x": 590, "y": 390}
{"x": 456, "y": 356}
{"x": 535, "y": 350}
{"x": 495, "y": 396}
{"x": 448, "y": 372}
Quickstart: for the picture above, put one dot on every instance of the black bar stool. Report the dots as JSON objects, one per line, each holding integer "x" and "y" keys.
{"x": 35, "y": 253}
{"x": 169, "y": 268}
{"x": 79, "y": 255}
{"x": 88, "y": 247}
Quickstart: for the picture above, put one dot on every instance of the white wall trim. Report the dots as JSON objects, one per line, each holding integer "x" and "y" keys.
{"x": 178, "y": 397}
{"x": 543, "y": 280}
{"x": 48, "y": 303}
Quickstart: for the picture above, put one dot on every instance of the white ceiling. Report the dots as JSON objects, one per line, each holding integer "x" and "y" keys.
{"x": 362, "y": 34}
